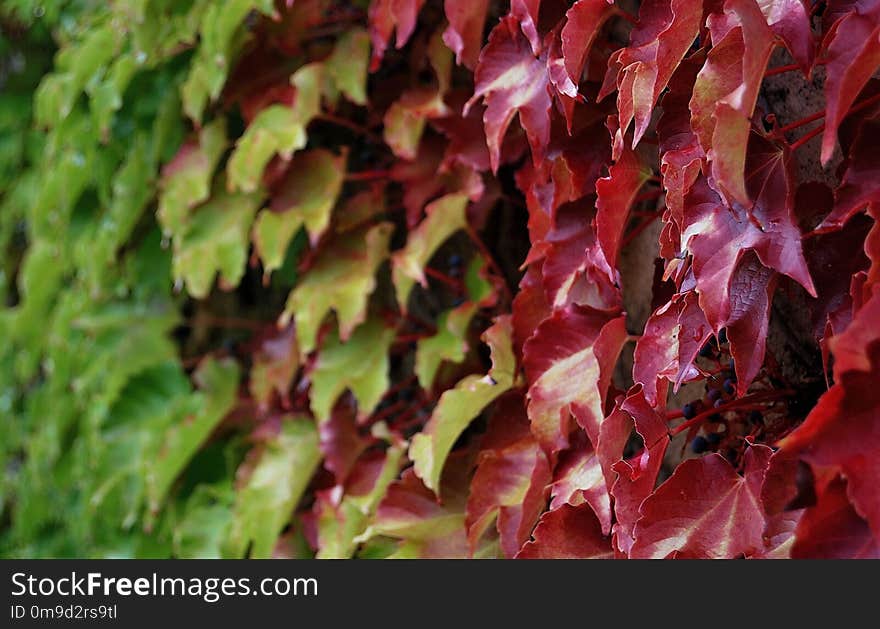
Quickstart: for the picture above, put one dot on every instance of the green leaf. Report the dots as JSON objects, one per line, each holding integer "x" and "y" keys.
{"x": 342, "y": 279}
{"x": 459, "y": 406}
{"x": 306, "y": 196}
{"x": 186, "y": 179}
{"x": 221, "y": 37}
{"x": 450, "y": 343}
{"x": 216, "y": 240}
{"x": 444, "y": 217}
{"x": 218, "y": 386}
{"x": 348, "y": 64}
{"x": 277, "y": 129}
{"x": 274, "y": 488}
{"x": 359, "y": 364}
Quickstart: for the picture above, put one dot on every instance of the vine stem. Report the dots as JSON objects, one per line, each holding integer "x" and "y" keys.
{"x": 813, "y": 133}
{"x": 442, "y": 277}
{"x": 744, "y": 403}
{"x": 806, "y": 137}
{"x": 352, "y": 126}
{"x": 638, "y": 229}
{"x": 368, "y": 175}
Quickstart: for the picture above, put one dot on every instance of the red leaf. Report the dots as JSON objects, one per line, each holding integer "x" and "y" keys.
{"x": 789, "y": 20}
{"x": 512, "y": 80}
{"x": 464, "y": 35}
{"x": 665, "y": 32}
{"x": 530, "y": 307}
{"x": 833, "y": 530}
{"x": 726, "y": 91}
{"x": 568, "y": 533}
{"x": 340, "y": 442}
{"x": 579, "y": 479}
{"x": 672, "y": 339}
{"x": 843, "y": 430}
{"x": 510, "y": 481}
{"x": 568, "y": 364}
{"x": 860, "y": 185}
{"x": 583, "y": 22}
{"x": 853, "y": 55}
{"x": 616, "y": 194}
{"x": 575, "y": 269}
{"x": 680, "y": 150}
{"x": 636, "y": 478}
{"x": 719, "y": 235}
{"x": 751, "y": 294}
{"x": 386, "y": 16}
{"x": 705, "y": 510}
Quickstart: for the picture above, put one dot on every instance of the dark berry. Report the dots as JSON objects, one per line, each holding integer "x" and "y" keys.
{"x": 756, "y": 418}
{"x": 714, "y": 438}
{"x": 718, "y": 403}
{"x": 713, "y": 394}
{"x": 722, "y": 336}
{"x": 728, "y": 387}
{"x": 688, "y": 411}
{"x": 455, "y": 260}
{"x": 699, "y": 445}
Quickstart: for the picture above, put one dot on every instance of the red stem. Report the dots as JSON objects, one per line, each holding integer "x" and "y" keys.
{"x": 742, "y": 403}
{"x": 807, "y": 137}
{"x": 368, "y": 175}
{"x": 799, "y": 123}
{"x": 442, "y": 277}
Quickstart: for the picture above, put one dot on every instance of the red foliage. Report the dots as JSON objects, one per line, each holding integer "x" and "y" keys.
{"x": 569, "y": 465}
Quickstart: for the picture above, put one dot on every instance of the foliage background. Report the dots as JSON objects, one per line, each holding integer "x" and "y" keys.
{"x": 293, "y": 279}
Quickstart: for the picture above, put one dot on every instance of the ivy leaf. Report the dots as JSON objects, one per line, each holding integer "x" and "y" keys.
{"x": 347, "y": 65}
{"x": 276, "y": 129}
{"x": 340, "y": 441}
{"x": 443, "y": 217}
{"x": 215, "y": 240}
{"x": 457, "y": 407}
{"x": 860, "y": 186}
{"x": 575, "y": 270}
{"x": 186, "y": 179}
{"x": 305, "y": 197}
{"x": 673, "y": 336}
{"x": 273, "y": 488}
{"x": 340, "y": 525}
{"x": 751, "y": 295}
{"x": 511, "y": 80}
{"x": 583, "y": 22}
{"x": 464, "y": 35}
{"x": 450, "y": 342}
{"x": 342, "y": 279}
{"x": 726, "y": 91}
{"x": 275, "y": 364}
{"x": 359, "y": 364}
{"x": 388, "y": 16}
{"x": 616, "y": 194}
{"x": 853, "y": 402}
{"x": 405, "y": 119}
{"x": 658, "y": 43}
{"x": 509, "y": 484}
{"x": 568, "y": 533}
{"x": 219, "y": 40}
{"x": 833, "y": 530}
{"x": 568, "y": 364}
{"x": 704, "y": 496}
{"x": 426, "y": 527}
{"x": 789, "y": 20}
{"x": 579, "y": 479}
{"x": 635, "y": 478}
{"x": 218, "y": 385}
{"x": 852, "y": 58}
{"x": 718, "y": 235}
